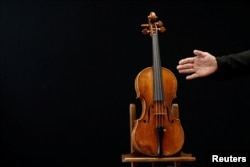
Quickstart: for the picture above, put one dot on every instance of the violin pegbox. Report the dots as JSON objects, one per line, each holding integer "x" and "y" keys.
{"x": 153, "y": 26}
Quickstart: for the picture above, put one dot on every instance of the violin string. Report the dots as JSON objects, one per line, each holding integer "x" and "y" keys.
{"x": 160, "y": 84}
{"x": 156, "y": 93}
{"x": 160, "y": 109}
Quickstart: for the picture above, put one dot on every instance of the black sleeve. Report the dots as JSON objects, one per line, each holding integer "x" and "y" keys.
{"x": 233, "y": 65}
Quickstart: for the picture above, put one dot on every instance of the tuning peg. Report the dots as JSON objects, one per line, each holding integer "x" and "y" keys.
{"x": 145, "y": 31}
{"x": 144, "y": 25}
{"x": 162, "y": 29}
{"x": 159, "y": 23}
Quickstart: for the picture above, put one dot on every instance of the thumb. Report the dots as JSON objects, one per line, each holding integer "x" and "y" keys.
{"x": 199, "y": 53}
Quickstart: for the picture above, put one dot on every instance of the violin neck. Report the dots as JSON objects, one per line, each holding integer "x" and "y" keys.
{"x": 158, "y": 88}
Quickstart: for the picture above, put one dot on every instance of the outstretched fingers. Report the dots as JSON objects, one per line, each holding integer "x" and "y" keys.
{"x": 187, "y": 71}
{"x": 186, "y": 60}
{"x": 186, "y": 66}
{"x": 192, "y": 76}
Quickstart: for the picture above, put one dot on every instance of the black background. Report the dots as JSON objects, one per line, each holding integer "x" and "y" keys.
{"x": 68, "y": 70}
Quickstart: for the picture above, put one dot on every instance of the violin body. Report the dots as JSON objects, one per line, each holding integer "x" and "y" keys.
{"x": 144, "y": 134}
{"x": 157, "y": 132}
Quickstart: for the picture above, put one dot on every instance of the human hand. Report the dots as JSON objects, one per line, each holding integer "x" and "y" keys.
{"x": 201, "y": 65}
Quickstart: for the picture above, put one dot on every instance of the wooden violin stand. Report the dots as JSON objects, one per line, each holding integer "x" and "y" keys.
{"x": 136, "y": 158}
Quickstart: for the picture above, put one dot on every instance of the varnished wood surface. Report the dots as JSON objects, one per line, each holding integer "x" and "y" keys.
{"x": 133, "y": 157}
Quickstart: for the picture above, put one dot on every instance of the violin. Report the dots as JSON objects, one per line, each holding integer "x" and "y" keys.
{"x": 157, "y": 132}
